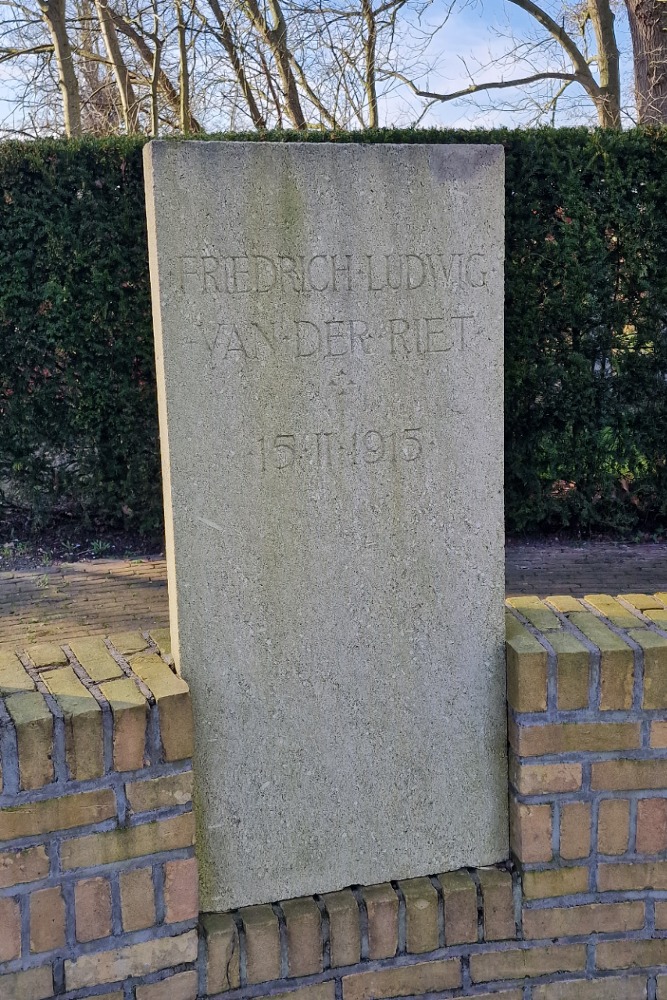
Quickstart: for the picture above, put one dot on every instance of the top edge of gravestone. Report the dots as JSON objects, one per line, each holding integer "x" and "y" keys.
{"x": 487, "y": 152}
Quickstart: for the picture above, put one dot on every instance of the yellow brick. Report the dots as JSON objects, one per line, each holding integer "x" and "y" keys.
{"x": 321, "y": 991}
{"x": 593, "y": 989}
{"x": 33, "y": 984}
{"x": 83, "y": 723}
{"x": 501, "y": 995}
{"x": 525, "y": 601}
{"x": 633, "y": 877}
{"x": 162, "y": 639}
{"x": 96, "y": 659}
{"x": 303, "y": 925}
{"x": 629, "y": 775}
{"x": 565, "y": 737}
{"x": 513, "y": 626}
{"x": 536, "y": 612}
{"x": 160, "y": 793}
{"x": 460, "y": 898}
{"x": 525, "y": 963}
{"x": 616, "y": 662}
{"x": 655, "y": 667}
{"x": 137, "y": 899}
{"x": 421, "y": 913}
{"x": 63, "y": 813}
{"x": 13, "y": 675}
{"x": 262, "y": 934}
{"x": 182, "y": 986}
{"x": 642, "y": 602}
{"x": 630, "y": 954}
{"x": 613, "y": 826}
{"x": 575, "y": 830}
{"x": 222, "y": 953}
{"x": 47, "y": 654}
{"x": 555, "y": 882}
{"x": 530, "y": 832}
{"x": 27, "y": 865}
{"x": 540, "y": 779}
{"x": 129, "y": 710}
{"x": 412, "y": 980}
{"x": 526, "y": 673}
{"x": 174, "y": 706}
{"x": 498, "y": 904}
{"x": 34, "y": 733}
{"x": 128, "y": 643}
{"x": 658, "y": 616}
{"x": 611, "y": 609}
{"x": 564, "y": 603}
{"x": 131, "y": 842}
{"x": 572, "y": 665}
{"x": 344, "y": 928}
{"x": 133, "y": 960}
{"x": 382, "y": 910}
{"x": 589, "y": 918}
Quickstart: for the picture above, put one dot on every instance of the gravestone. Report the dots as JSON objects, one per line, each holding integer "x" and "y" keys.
{"x": 329, "y": 322}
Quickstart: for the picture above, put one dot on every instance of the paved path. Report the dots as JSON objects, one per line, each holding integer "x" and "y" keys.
{"x": 589, "y": 568}
{"x": 64, "y": 601}
{"x": 67, "y": 600}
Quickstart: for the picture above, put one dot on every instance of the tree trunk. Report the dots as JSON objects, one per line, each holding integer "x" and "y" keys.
{"x": 277, "y": 40}
{"x": 183, "y": 71}
{"x": 608, "y": 59}
{"x": 120, "y": 71}
{"x": 155, "y": 82}
{"x": 648, "y": 27}
{"x": 53, "y": 13}
{"x": 370, "y": 44}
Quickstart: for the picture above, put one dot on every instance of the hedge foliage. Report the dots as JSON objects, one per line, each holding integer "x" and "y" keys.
{"x": 586, "y": 330}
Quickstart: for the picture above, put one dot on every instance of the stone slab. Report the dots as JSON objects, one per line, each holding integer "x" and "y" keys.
{"x": 329, "y": 327}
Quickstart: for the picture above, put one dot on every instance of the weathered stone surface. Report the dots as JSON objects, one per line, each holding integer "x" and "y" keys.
{"x": 329, "y": 346}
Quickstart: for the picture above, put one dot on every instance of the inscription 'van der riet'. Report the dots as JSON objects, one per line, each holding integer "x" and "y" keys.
{"x": 303, "y": 339}
{"x": 323, "y": 272}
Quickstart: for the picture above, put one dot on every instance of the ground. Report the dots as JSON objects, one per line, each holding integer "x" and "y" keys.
{"x": 42, "y": 598}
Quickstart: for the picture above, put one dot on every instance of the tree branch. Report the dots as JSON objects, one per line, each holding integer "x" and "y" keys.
{"x": 561, "y": 36}
{"x": 476, "y": 87}
{"x": 36, "y": 50}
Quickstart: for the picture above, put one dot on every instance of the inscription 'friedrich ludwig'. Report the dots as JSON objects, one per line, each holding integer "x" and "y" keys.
{"x": 255, "y": 273}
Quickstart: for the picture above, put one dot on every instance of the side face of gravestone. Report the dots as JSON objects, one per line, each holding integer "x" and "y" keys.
{"x": 329, "y": 346}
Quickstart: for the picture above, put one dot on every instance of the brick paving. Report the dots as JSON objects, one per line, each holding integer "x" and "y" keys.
{"x": 586, "y": 568}
{"x": 68, "y": 600}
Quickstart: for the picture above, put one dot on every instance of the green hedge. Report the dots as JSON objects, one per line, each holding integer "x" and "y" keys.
{"x": 586, "y": 331}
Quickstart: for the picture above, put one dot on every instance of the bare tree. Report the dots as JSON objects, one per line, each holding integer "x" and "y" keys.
{"x": 604, "y": 91}
{"x": 165, "y": 66}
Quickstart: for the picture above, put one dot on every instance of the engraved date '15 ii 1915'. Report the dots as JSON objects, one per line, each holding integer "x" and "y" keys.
{"x": 328, "y": 449}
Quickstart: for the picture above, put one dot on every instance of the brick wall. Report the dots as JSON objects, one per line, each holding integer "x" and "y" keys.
{"x": 97, "y": 870}
{"x": 97, "y": 876}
